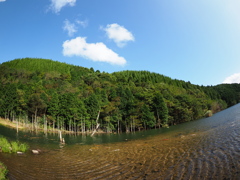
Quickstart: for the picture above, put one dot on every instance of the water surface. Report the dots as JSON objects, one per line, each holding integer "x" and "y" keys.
{"x": 203, "y": 149}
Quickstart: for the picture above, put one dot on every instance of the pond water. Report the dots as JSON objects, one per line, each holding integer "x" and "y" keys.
{"x": 203, "y": 149}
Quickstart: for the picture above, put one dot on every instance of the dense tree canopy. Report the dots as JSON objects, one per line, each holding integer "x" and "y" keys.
{"x": 70, "y": 97}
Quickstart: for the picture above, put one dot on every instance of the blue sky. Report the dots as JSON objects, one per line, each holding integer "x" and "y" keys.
{"x": 190, "y": 40}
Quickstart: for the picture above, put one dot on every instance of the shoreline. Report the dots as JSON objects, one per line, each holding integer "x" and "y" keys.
{"x": 13, "y": 125}
{"x": 8, "y": 123}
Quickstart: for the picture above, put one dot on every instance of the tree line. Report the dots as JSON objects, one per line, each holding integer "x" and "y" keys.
{"x": 57, "y": 95}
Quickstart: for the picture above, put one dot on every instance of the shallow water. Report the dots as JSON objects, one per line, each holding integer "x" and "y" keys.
{"x": 204, "y": 149}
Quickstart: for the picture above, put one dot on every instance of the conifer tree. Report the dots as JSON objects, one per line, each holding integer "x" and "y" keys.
{"x": 161, "y": 110}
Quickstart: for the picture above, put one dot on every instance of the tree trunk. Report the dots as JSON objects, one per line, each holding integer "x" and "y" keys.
{"x": 84, "y": 125}
{"x": 32, "y": 122}
{"x": 97, "y": 124}
{"x": 58, "y": 123}
{"x": 118, "y": 126}
{"x": 17, "y": 123}
{"x": 75, "y": 129}
{"x": 159, "y": 120}
{"x": 35, "y": 118}
{"x": 81, "y": 124}
{"x": 53, "y": 125}
{"x": 45, "y": 124}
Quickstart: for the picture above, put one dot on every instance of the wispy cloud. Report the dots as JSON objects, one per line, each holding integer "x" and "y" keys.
{"x": 93, "y": 51}
{"x": 235, "y": 78}
{"x": 82, "y": 23}
{"x": 2, "y": 0}
{"x": 69, "y": 27}
{"x": 57, "y": 5}
{"x": 119, "y": 34}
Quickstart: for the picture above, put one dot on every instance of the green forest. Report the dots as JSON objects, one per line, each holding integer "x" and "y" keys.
{"x": 57, "y": 95}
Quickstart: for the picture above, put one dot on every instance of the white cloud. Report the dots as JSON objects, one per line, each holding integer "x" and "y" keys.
{"x": 69, "y": 27}
{"x": 57, "y": 5}
{"x": 82, "y": 23}
{"x": 93, "y": 51}
{"x": 118, "y": 34}
{"x": 235, "y": 78}
{"x": 2, "y": 0}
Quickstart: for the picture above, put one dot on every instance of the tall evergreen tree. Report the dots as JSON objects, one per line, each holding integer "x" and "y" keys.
{"x": 161, "y": 110}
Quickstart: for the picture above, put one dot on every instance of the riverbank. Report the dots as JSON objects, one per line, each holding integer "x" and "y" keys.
{"x": 11, "y": 124}
{"x": 9, "y": 147}
{"x": 20, "y": 126}
{"x": 3, "y": 168}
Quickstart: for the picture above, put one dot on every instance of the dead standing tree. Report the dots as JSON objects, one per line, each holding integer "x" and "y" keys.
{"x": 97, "y": 124}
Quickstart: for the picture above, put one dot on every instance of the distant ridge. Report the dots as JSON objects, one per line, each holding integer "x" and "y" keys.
{"x": 38, "y": 64}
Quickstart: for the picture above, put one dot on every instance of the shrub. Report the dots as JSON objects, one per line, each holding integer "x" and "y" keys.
{"x": 13, "y": 146}
{"x": 3, "y": 171}
{"x": 5, "y": 145}
{"x": 23, "y": 147}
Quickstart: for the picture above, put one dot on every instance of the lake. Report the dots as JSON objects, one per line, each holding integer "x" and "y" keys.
{"x": 203, "y": 149}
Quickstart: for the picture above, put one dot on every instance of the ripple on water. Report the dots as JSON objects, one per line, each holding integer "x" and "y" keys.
{"x": 210, "y": 151}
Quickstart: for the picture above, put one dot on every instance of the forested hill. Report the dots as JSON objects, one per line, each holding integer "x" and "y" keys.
{"x": 70, "y": 97}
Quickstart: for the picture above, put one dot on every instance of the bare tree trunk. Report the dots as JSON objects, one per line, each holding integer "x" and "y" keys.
{"x": 70, "y": 123}
{"x": 134, "y": 125}
{"x": 62, "y": 140}
{"x": 75, "y": 129}
{"x": 58, "y": 123}
{"x": 84, "y": 126}
{"x": 36, "y": 124}
{"x": 131, "y": 125}
{"x": 25, "y": 121}
{"x": 81, "y": 124}
{"x": 35, "y": 120}
{"x": 53, "y": 125}
{"x": 16, "y": 122}
{"x": 159, "y": 121}
{"x": 32, "y": 122}
{"x": 96, "y": 125}
{"x": 118, "y": 126}
{"x": 45, "y": 124}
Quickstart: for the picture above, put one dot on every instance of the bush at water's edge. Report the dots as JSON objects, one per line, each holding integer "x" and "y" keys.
{"x": 3, "y": 171}
{"x": 14, "y": 146}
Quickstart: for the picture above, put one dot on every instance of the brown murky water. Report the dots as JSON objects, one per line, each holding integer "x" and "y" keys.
{"x": 203, "y": 149}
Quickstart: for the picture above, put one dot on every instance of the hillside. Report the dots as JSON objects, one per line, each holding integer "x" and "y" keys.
{"x": 69, "y": 97}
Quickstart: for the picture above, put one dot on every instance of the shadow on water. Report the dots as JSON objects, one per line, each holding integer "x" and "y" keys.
{"x": 203, "y": 149}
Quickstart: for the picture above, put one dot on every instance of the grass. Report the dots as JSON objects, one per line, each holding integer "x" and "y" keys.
{"x": 5, "y": 146}
{"x": 9, "y": 123}
{"x": 9, "y": 147}
{"x": 3, "y": 171}
{"x": 14, "y": 146}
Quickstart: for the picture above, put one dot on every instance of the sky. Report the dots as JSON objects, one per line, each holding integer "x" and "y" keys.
{"x": 189, "y": 40}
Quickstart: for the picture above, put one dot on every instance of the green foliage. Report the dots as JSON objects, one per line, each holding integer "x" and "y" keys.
{"x": 161, "y": 110}
{"x": 14, "y": 146}
{"x": 3, "y": 171}
{"x": 17, "y": 146}
{"x": 70, "y": 97}
{"x": 5, "y": 145}
{"x": 147, "y": 117}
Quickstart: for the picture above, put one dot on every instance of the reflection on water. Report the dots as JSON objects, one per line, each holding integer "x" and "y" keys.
{"x": 203, "y": 149}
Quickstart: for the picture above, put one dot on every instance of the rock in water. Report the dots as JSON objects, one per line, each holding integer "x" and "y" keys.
{"x": 35, "y": 151}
